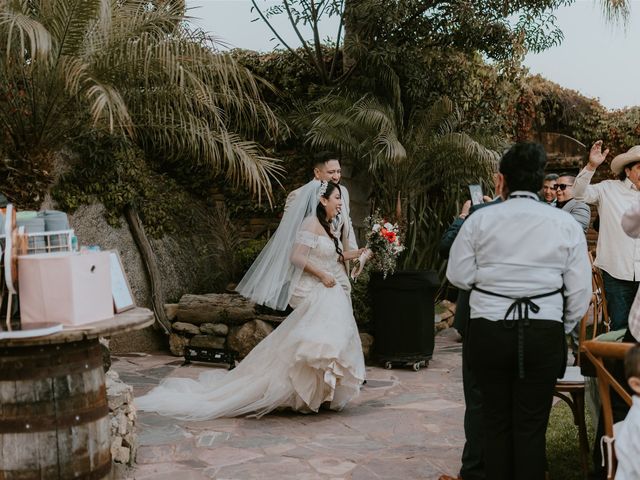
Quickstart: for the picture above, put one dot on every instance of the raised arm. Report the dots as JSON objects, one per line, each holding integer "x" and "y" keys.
{"x": 462, "y": 268}
{"x": 582, "y": 188}
{"x": 450, "y": 235}
{"x": 352, "y": 241}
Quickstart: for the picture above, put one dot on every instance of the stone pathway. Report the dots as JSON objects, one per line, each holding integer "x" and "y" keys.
{"x": 405, "y": 425}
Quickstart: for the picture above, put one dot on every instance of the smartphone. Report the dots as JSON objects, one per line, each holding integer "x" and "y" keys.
{"x": 476, "y": 194}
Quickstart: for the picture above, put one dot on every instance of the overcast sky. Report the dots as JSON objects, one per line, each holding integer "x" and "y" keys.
{"x": 595, "y": 58}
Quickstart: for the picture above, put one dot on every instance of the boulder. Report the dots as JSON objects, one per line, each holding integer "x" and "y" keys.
{"x": 207, "y": 341}
{"x": 274, "y": 319}
{"x": 226, "y": 308}
{"x": 185, "y": 328}
{"x": 177, "y": 343}
{"x": 367, "y": 344}
{"x": 171, "y": 310}
{"x": 243, "y": 339}
{"x": 219, "y": 329}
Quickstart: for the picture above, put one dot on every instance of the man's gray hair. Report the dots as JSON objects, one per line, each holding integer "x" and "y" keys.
{"x": 550, "y": 176}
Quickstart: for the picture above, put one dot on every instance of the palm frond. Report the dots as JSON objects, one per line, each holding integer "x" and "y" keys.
{"x": 22, "y": 34}
{"x": 131, "y": 67}
{"x": 616, "y": 11}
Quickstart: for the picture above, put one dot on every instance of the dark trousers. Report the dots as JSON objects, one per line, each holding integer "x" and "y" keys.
{"x": 620, "y": 295}
{"x": 472, "y": 454}
{"x": 516, "y": 410}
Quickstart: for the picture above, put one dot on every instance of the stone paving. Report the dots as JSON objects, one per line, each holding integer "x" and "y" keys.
{"x": 404, "y": 425}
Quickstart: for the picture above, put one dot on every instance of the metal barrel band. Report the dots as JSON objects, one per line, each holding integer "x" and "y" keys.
{"x": 53, "y": 422}
{"x": 54, "y": 405}
{"x": 67, "y": 362}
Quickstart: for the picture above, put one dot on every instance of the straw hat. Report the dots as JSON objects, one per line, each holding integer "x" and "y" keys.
{"x": 624, "y": 159}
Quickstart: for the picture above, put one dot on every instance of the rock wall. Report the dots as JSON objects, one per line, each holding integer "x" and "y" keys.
{"x": 179, "y": 266}
{"x": 122, "y": 414}
{"x": 224, "y": 321}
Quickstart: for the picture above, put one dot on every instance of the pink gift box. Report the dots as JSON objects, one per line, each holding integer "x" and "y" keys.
{"x": 69, "y": 288}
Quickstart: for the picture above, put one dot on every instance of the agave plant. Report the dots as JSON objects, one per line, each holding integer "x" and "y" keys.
{"x": 420, "y": 164}
{"x": 135, "y": 68}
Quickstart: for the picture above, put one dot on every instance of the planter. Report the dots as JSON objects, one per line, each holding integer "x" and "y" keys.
{"x": 403, "y": 313}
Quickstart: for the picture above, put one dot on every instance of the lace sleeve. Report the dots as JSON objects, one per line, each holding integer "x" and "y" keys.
{"x": 306, "y": 240}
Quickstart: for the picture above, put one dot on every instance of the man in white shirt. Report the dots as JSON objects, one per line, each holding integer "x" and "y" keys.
{"x": 518, "y": 275}
{"x": 326, "y": 166}
{"x": 617, "y": 255}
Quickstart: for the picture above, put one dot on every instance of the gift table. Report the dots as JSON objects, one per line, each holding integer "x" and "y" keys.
{"x": 54, "y": 417}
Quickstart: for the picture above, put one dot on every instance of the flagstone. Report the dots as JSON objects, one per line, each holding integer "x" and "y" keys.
{"x": 404, "y": 425}
{"x": 222, "y": 456}
{"x": 331, "y": 466}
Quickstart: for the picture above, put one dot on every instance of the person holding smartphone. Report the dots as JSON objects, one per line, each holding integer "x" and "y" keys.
{"x": 472, "y": 454}
{"x": 529, "y": 289}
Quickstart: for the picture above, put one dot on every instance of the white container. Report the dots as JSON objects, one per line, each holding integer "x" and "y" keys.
{"x": 69, "y": 288}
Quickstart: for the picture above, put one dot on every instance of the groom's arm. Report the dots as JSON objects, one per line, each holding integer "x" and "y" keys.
{"x": 352, "y": 243}
{"x": 290, "y": 198}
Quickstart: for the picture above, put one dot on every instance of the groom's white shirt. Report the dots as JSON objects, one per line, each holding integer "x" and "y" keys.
{"x": 348, "y": 238}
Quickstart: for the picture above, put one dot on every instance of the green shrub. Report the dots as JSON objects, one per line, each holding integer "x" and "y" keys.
{"x": 246, "y": 255}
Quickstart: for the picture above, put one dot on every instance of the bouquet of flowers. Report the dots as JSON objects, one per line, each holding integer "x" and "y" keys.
{"x": 383, "y": 244}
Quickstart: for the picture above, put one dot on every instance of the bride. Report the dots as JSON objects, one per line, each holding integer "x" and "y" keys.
{"x": 314, "y": 356}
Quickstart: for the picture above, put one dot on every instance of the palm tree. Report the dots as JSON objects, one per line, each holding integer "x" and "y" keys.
{"x": 420, "y": 163}
{"x": 133, "y": 68}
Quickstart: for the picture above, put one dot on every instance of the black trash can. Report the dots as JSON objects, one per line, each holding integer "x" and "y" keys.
{"x": 403, "y": 317}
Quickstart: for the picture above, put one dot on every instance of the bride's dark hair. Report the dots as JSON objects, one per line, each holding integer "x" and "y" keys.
{"x": 321, "y": 213}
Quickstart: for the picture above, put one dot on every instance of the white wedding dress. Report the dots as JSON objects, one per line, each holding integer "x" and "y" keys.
{"x": 314, "y": 356}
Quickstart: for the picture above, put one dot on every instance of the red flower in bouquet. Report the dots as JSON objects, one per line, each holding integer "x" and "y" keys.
{"x": 383, "y": 240}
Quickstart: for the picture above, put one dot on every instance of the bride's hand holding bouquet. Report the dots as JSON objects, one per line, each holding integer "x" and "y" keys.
{"x": 383, "y": 246}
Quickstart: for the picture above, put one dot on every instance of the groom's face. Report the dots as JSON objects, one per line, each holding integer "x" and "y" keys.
{"x": 329, "y": 171}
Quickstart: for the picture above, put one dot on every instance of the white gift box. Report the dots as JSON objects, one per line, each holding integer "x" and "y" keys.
{"x": 69, "y": 288}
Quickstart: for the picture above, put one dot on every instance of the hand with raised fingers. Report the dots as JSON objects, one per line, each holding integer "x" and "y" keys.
{"x": 596, "y": 155}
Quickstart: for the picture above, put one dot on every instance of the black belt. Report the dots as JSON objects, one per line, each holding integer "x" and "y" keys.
{"x": 519, "y": 310}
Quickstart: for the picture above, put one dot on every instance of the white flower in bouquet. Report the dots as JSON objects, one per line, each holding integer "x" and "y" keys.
{"x": 383, "y": 240}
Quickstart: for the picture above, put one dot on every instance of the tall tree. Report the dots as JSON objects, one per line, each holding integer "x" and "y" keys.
{"x": 369, "y": 29}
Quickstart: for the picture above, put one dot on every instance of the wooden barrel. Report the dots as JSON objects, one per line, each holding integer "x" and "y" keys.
{"x": 54, "y": 416}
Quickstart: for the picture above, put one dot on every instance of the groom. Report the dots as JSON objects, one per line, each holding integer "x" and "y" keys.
{"x": 326, "y": 167}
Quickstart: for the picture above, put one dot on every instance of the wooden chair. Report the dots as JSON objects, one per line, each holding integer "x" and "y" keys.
{"x": 597, "y": 283}
{"x": 596, "y": 352}
{"x": 573, "y": 391}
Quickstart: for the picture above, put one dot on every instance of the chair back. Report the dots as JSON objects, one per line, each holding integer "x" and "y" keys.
{"x": 596, "y": 352}
{"x": 597, "y": 316}
{"x": 601, "y": 300}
